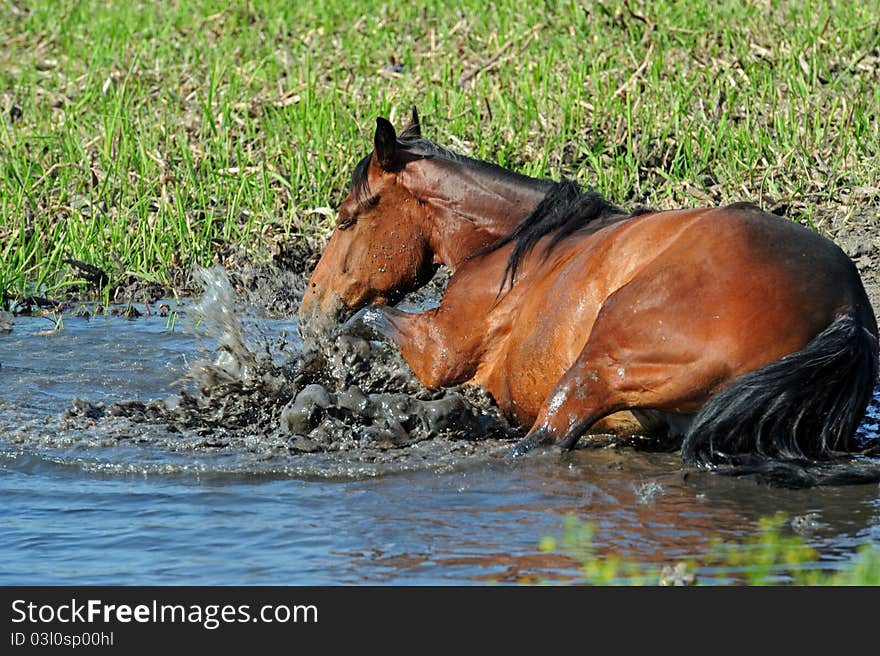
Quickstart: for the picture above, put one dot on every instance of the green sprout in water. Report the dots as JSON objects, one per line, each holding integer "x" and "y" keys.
{"x": 769, "y": 557}
{"x": 57, "y": 319}
{"x": 576, "y": 542}
{"x": 171, "y": 321}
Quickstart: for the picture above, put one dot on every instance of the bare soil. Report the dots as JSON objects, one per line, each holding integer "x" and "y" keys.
{"x": 859, "y": 236}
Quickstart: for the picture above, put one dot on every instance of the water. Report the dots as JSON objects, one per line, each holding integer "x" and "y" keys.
{"x": 124, "y": 506}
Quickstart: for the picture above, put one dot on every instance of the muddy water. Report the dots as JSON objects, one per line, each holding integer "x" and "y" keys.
{"x": 109, "y": 475}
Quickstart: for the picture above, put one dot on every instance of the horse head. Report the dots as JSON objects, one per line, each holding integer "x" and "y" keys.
{"x": 378, "y": 250}
{"x": 411, "y": 206}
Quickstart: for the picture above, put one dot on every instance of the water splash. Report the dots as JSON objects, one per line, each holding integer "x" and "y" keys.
{"x": 337, "y": 406}
{"x": 215, "y": 310}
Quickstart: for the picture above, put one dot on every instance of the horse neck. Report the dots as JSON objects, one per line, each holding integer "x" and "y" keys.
{"x": 472, "y": 205}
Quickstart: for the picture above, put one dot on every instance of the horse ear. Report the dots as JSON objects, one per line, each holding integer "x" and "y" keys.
{"x": 414, "y": 129}
{"x": 385, "y": 143}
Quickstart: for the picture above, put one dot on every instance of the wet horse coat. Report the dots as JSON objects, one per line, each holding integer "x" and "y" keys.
{"x": 743, "y": 330}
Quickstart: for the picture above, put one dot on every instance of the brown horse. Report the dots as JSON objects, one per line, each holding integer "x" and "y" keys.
{"x": 741, "y": 330}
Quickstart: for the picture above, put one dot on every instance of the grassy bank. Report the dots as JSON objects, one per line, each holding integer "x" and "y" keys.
{"x": 142, "y": 138}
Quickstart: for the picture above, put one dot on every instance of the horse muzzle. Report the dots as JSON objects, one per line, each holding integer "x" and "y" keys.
{"x": 321, "y": 315}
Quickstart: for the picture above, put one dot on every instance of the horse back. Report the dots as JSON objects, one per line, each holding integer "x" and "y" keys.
{"x": 750, "y": 287}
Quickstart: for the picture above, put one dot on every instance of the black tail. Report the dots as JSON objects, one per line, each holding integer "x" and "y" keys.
{"x": 800, "y": 407}
{"x": 791, "y": 474}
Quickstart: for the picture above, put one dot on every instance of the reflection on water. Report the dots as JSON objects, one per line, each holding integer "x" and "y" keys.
{"x": 102, "y": 509}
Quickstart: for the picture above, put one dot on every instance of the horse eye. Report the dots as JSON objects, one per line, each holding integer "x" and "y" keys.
{"x": 345, "y": 224}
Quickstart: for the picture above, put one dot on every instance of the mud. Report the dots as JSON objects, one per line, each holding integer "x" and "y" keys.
{"x": 341, "y": 395}
{"x": 858, "y": 234}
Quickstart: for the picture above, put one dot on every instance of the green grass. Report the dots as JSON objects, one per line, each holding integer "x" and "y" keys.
{"x": 146, "y": 137}
{"x": 773, "y": 555}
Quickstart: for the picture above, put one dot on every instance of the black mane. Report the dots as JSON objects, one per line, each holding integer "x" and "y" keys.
{"x": 564, "y": 210}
